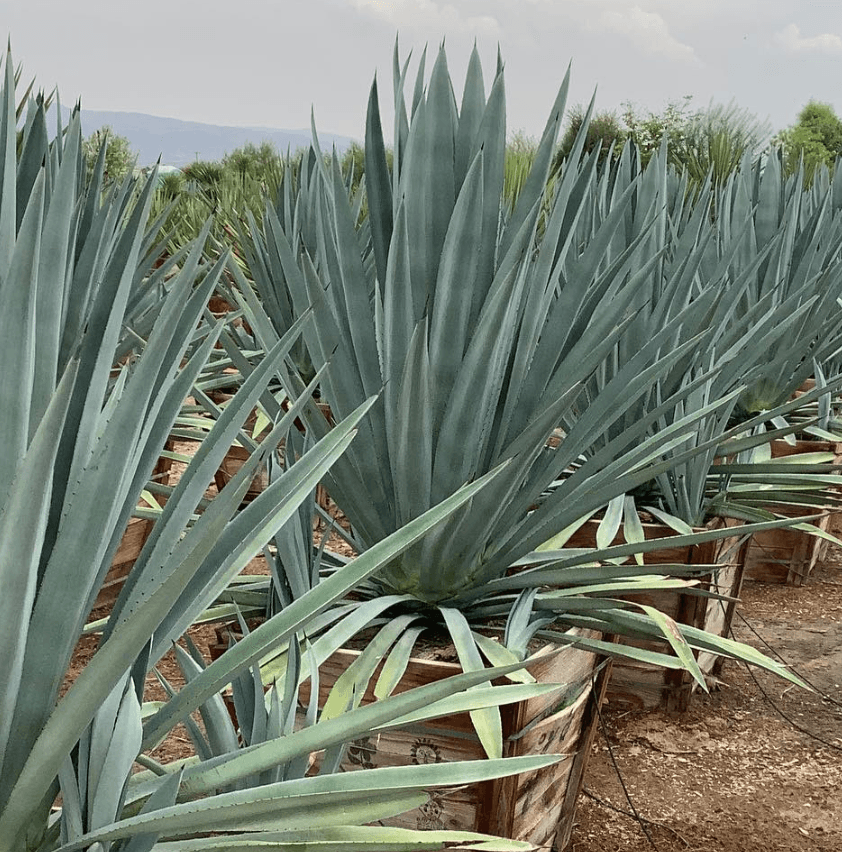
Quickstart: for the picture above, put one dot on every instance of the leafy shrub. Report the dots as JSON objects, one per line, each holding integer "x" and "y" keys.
{"x": 712, "y": 141}
{"x": 605, "y": 132}
{"x": 119, "y": 157}
{"x": 647, "y": 131}
{"x": 261, "y": 163}
{"x": 816, "y": 138}
{"x": 205, "y": 172}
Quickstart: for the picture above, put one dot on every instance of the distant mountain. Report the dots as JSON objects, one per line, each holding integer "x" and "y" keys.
{"x": 180, "y": 142}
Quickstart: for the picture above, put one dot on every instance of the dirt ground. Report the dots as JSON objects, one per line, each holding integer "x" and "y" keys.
{"x": 756, "y": 766}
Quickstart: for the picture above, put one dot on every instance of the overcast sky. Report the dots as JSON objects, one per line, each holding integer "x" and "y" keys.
{"x": 265, "y": 62}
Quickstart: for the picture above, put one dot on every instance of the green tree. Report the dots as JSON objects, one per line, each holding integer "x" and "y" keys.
{"x": 605, "y": 132}
{"x": 816, "y": 137}
{"x": 647, "y": 130}
{"x": 119, "y": 156}
{"x": 261, "y": 163}
{"x": 713, "y": 140}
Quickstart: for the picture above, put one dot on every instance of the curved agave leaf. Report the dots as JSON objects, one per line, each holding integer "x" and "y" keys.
{"x": 294, "y": 805}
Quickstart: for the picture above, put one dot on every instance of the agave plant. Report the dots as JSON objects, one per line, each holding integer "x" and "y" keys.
{"x": 480, "y": 323}
{"x": 787, "y": 240}
{"x": 710, "y": 284}
{"x": 80, "y": 445}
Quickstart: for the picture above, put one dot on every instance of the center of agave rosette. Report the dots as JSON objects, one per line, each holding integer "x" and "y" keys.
{"x": 432, "y": 583}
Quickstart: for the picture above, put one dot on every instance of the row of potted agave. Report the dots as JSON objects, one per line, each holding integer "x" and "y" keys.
{"x": 538, "y": 806}
{"x": 602, "y": 304}
{"x": 80, "y": 289}
{"x": 605, "y": 305}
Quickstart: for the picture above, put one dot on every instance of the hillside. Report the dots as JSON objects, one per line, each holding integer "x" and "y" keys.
{"x": 180, "y": 142}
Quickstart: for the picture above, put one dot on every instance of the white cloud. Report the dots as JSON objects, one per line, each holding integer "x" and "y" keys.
{"x": 648, "y": 31}
{"x": 429, "y": 15}
{"x": 791, "y": 40}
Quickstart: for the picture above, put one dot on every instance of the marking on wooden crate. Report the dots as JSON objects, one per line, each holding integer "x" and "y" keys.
{"x": 425, "y": 751}
{"x": 431, "y": 812}
{"x": 361, "y": 753}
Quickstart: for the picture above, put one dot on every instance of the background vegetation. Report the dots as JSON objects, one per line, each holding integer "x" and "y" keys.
{"x": 714, "y": 139}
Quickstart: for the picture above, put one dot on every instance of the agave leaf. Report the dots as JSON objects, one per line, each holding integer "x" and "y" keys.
{"x": 215, "y": 716}
{"x": 600, "y": 646}
{"x": 638, "y": 583}
{"x": 8, "y": 166}
{"x": 632, "y": 526}
{"x": 672, "y": 632}
{"x": 537, "y": 180}
{"x": 292, "y": 804}
{"x": 395, "y": 664}
{"x": 106, "y": 789}
{"x": 470, "y": 116}
{"x": 351, "y": 685}
{"x": 681, "y": 527}
{"x": 52, "y": 272}
{"x": 22, "y": 527}
{"x": 412, "y": 430}
{"x": 610, "y": 523}
{"x": 17, "y": 330}
{"x": 499, "y": 655}
{"x": 462, "y": 251}
{"x": 352, "y": 838}
{"x": 479, "y": 697}
{"x": 378, "y": 184}
{"x": 487, "y": 722}
{"x": 163, "y": 797}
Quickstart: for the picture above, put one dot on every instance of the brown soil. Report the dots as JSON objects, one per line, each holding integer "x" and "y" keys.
{"x": 732, "y": 774}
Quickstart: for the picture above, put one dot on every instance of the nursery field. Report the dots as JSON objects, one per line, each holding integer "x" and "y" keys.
{"x": 731, "y": 774}
{"x": 548, "y": 417}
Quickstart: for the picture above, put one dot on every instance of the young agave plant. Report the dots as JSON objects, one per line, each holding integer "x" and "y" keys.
{"x": 480, "y": 324}
{"x": 79, "y": 447}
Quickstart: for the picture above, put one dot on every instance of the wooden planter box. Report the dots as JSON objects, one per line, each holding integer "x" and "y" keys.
{"x": 234, "y": 460}
{"x": 786, "y": 555}
{"x": 231, "y": 464}
{"x": 235, "y": 457}
{"x": 137, "y": 531}
{"x": 237, "y": 454}
{"x": 638, "y": 685}
{"x": 538, "y": 807}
